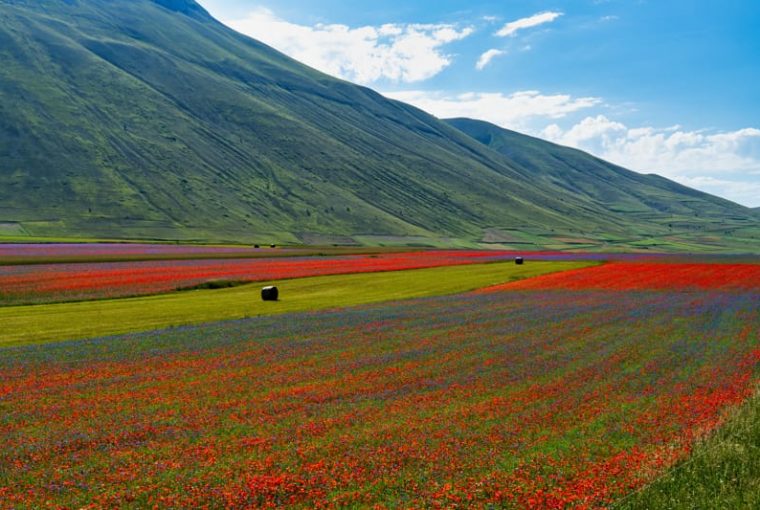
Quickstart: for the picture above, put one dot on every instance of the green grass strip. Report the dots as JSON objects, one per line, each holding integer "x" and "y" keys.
{"x": 723, "y": 471}
{"x": 69, "y": 321}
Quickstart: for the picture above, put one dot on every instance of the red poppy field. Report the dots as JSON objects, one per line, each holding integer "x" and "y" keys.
{"x": 560, "y": 391}
{"x": 647, "y": 275}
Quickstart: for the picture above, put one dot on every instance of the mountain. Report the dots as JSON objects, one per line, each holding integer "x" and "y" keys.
{"x": 652, "y": 198}
{"x": 150, "y": 119}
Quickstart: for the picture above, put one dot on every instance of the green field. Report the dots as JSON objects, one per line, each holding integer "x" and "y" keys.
{"x": 67, "y": 321}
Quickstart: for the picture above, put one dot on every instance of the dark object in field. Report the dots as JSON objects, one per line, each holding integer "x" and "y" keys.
{"x": 273, "y": 246}
{"x": 215, "y": 284}
{"x": 270, "y": 294}
{"x": 519, "y": 261}
{"x": 256, "y": 246}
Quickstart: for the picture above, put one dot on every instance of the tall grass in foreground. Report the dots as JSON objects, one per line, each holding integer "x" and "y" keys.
{"x": 723, "y": 471}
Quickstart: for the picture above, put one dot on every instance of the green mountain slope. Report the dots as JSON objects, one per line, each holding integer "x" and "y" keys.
{"x": 147, "y": 118}
{"x": 688, "y": 214}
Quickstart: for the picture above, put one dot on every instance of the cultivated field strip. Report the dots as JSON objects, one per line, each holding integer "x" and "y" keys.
{"x": 69, "y": 321}
{"x": 47, "y": 283}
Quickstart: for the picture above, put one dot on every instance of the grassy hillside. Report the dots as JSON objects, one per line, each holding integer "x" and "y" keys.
{"x": 689, "y": 216}
{"x": 149, "y": 119}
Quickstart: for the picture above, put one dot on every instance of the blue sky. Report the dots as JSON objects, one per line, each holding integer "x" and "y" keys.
{"x": 668, "y": 87}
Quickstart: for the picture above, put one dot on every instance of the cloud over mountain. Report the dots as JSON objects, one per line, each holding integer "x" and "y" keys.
{"x": 402, "y": 53}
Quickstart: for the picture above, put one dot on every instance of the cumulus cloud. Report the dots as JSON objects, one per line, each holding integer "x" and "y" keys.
{"x": 402, "y": 53}
{"x": 598, "y": 128}
{"x": 724, "y": 163}
{"x": 511, "y": 28}
{"x": 515, "y": 110}
{"x": 487, "y": 57}
{"x": 671, "y": 151}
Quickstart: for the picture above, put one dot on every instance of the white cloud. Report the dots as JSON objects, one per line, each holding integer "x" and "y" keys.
{"x": 487, "y": 57}
{"x": 668, "y": 151}
{"x": 590, "y": 128}
{"x": 726, "y": 163}
{"x": 514, "y": 111}
{"x": 511, "y": 28}
{"x": 396, "y": 52}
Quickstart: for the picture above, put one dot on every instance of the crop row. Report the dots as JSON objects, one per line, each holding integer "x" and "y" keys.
{"x": 61, "y": 253}
{"x": 40, "y": 250}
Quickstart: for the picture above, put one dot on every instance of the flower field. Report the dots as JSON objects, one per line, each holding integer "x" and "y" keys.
{"x": 527, "y": 398}
{"x": 638, "y": 276}
{"x": 44, "y": 283}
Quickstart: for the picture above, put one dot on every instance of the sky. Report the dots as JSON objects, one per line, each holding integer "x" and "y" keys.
{"x": 658, "y": 86}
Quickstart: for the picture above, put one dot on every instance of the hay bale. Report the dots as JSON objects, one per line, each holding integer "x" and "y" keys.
{"x": 519, "y": 261}
{"x": 270, "y": 294}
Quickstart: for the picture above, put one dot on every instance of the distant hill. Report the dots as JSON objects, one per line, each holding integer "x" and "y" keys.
{"x": 150, "y": 119}
{"x": 646, "y": 197}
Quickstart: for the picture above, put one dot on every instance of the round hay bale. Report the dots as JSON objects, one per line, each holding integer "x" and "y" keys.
{"x": 519, "y": 261}
{"x": 270, "y": 294}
